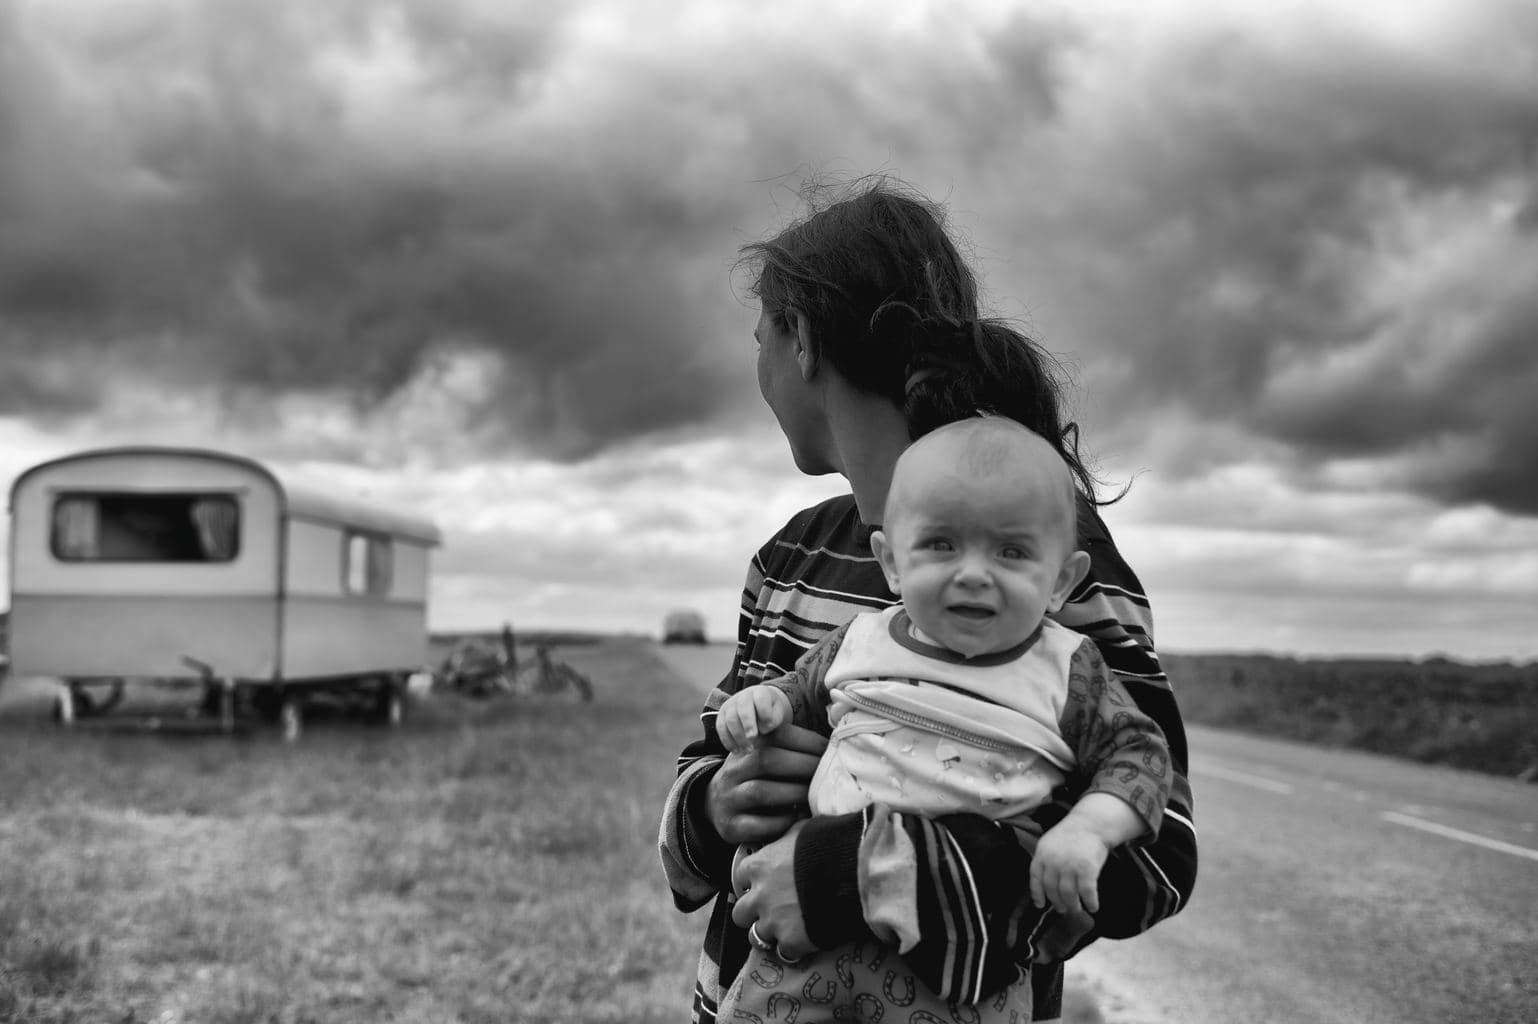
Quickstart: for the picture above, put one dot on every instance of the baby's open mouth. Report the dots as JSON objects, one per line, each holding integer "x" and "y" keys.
{"x": 971, "y": 611}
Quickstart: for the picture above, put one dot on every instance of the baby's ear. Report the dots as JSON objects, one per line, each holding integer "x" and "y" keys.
{"x": 1075, "y": 568}
{"x": 887, "y": 559}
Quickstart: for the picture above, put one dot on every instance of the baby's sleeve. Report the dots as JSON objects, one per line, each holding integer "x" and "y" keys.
{"x": 1120, "y": 750}
{"x": 806, "y": 685}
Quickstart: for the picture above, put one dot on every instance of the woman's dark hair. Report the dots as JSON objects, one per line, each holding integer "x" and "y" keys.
{"x": 888, "y": 299}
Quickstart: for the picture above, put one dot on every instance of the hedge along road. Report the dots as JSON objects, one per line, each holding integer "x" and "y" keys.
{"x": 1335, "y": 886}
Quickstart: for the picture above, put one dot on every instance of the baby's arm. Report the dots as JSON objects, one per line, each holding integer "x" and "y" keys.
{"x": 1066, "y": 867}
{"x": 1124, "y": 757}
{"x": 799, "y": 698}
{"x": 750, "y": 713}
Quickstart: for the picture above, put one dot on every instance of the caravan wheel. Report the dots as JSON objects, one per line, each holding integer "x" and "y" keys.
{"x": 64, "y": 706}
{"x": 390, "y": 703}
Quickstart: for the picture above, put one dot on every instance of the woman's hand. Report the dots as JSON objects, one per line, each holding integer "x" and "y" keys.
{"x": 768, "y": 904}
{"x": 760, "y": 791}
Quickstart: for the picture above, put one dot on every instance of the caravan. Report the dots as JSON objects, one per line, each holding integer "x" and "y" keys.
{"x": 183, "y": 565}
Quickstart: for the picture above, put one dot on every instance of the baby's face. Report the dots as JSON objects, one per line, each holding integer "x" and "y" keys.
{"x": 979, "y": 558}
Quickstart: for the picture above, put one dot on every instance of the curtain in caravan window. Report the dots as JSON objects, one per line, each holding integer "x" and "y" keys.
{"x": 216, "y": 520}
{"x": 76, "y": 528}
{"x": 380, "y": 567}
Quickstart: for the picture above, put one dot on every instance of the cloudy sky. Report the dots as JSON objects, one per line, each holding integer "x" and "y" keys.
{"x": 475, "y": 258}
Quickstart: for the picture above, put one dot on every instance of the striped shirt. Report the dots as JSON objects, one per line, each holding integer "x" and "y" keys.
{"x": 813, "y": 576}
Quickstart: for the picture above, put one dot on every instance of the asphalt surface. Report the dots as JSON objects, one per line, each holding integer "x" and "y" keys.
{"x": 1335, "y": 886}
{"x": 1338, "y": 886}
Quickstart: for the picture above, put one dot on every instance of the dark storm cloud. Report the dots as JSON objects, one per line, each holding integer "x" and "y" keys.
{"x": 212, "y": 203}
{"x": 1321, "y": 236}
{"x": 268, "y": 198}
{"x": 1314, "y": 231}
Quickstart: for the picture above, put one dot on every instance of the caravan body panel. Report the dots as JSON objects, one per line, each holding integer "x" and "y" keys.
{"x": 125, "y": 561}
{"x": 83, "y": 636}
{"x": 332, "y": 624}
{"x": 117, "y": 612}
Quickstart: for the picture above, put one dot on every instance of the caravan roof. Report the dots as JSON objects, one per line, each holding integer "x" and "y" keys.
{"x": 298, "y": 500}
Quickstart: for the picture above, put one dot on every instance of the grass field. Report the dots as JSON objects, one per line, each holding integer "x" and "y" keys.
{"x": 1476, "y": 717}
{"x": 490, "y": 861}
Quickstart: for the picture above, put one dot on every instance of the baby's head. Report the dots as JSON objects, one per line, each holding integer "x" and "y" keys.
{"x": 980, "y": 534}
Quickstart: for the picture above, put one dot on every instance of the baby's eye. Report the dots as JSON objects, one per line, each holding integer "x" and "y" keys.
{"x": 936, "y": 544}
{"x": 1014, "y": 551}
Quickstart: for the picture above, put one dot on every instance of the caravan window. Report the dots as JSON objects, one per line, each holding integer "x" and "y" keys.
{"x": 369, "y": 564}
{"x": 95, "y": 527}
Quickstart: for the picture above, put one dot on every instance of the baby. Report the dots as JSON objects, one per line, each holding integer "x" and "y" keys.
{"x": 963, "y": 698}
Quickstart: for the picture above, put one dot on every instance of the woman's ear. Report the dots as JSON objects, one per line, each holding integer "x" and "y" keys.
{"x": 1075, "y": 568}
{"x": 806, "y": 352}
{"x": 882, "y": 549}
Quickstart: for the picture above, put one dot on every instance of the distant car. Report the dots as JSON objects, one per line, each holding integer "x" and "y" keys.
{"x": 683, "y": 627}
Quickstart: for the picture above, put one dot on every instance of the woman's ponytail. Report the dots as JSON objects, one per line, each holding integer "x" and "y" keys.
{"x": 988, "y": 367}
{"x": 892, "y": 305}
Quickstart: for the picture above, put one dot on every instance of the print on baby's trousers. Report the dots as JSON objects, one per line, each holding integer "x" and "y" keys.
{"x": 863, "y": 982}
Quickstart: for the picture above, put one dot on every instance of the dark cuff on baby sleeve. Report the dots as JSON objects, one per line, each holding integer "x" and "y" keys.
{"x": 827, "y": 879}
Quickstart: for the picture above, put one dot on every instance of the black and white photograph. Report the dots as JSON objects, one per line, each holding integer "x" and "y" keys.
{"x": 905, "y": 512}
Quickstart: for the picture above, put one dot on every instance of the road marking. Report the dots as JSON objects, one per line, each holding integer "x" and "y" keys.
{"x": 1233, "y": 775}
{"x": 1459, "y": 834}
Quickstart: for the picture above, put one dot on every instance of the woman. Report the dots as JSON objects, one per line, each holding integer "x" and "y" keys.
{"x": 869, "y": 337}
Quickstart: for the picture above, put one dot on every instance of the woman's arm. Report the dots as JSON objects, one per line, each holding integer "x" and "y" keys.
{"x": 696, "y": 859}
{"x": 721, "y": 799}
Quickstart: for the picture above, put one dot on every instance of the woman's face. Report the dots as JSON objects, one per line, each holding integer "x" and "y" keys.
{"x": 788, "y": 394}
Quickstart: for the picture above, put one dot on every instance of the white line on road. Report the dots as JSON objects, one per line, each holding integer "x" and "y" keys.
{"x": 1232, "y": 775}
{"x": 1459, "y": 834}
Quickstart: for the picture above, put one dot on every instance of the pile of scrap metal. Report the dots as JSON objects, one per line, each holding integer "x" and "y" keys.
{"x": 481, "y": 669}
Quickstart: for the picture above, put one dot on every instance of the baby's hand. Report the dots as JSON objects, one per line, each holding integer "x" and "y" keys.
{"x": 1066, "y": 868}
{"x": 748, "y": 714}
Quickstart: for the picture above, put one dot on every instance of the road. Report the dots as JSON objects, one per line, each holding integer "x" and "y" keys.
{"x": 1335, "y": 887}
